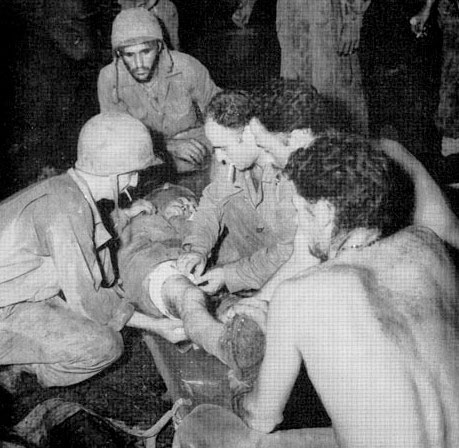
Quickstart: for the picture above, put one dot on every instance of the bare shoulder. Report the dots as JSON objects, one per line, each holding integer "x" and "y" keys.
{"x": 331, "y": 284}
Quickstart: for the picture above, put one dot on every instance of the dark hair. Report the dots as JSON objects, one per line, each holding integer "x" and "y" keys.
{"x": 283, "y": 105}
{"x": 367, "y": 188}
{"x": 231, "y": 108}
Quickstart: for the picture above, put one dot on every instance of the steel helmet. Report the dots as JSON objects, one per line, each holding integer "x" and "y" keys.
{"x": 135, "y": 26}
{"x": 114, "y": 143}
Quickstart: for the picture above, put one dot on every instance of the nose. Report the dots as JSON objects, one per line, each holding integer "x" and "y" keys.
{"x": 138, "y": 60}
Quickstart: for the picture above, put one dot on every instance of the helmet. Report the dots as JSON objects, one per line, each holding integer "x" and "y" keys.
{"x": 114, "y": 143}
{"x": 135, "y": 26}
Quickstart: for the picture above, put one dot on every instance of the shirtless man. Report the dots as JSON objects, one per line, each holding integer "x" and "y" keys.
{"x": 375, "y": 322}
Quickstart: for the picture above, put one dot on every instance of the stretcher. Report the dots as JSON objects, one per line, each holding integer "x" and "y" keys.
{"x": 189, "y": 373}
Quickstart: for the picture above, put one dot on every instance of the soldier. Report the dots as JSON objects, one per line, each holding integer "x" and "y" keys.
{"x": 60, "y": 309}
{"x": 165, "y": 89}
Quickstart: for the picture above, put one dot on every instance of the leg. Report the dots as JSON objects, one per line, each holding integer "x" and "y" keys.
{"x": 59, "y": 346}
{"x": 238, "y": 344}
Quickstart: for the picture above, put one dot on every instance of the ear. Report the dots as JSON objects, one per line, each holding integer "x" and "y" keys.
{"x": 256, "y": 127}
{"x": 301, "y": 137}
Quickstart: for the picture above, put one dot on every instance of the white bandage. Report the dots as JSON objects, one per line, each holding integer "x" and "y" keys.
{"x": 156, "y": 279}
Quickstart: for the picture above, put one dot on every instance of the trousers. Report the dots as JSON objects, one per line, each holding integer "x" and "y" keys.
{"x": 58, "y": 345}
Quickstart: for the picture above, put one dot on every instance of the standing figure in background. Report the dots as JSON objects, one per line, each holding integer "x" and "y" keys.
{"x": 447, "y": 118}
{"x": 401, "y": 74}
{"x": 319, "y": 40}
{"x": 165, "y": 11}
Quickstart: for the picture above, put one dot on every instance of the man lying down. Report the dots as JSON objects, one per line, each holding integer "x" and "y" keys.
{"x": 150, "y": 244}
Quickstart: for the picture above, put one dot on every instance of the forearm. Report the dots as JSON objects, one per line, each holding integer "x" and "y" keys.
{"x": 254, "y": 271}
{"x": 279, "y": 370}
{"x": 204, "y": 229}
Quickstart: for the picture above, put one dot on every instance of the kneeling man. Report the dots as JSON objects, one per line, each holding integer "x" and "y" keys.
{"x": 375, "y": 323}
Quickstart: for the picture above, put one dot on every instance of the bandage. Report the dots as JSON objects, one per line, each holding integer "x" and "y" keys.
{"x": 156, "y": 279}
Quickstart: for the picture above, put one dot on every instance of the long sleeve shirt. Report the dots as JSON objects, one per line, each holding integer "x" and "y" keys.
{"x": 257, "y": 227}
{"x": 53, "y": 242}
{"x": 171, "y": 103}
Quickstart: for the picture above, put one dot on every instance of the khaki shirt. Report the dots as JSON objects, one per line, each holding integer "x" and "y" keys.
{"x": 53, "y": 242}
{"x": 260, "y": 226}
{"x": 171, "y": 103}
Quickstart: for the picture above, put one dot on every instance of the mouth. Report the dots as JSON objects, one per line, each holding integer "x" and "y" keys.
{"x": 141, "y": 73}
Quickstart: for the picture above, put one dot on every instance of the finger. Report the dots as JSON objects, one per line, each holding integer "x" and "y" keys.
{"x": 199, "y": 146}
{"x": 199, "y": 269}
{"x": 194, "y": 153}
{"x": 209, "y": 288}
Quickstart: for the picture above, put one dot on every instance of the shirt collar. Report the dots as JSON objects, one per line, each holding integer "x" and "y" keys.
{"x": 101, "y": 234}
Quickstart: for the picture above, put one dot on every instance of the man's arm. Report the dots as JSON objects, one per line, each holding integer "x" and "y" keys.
{"x": 281, "y": 364}
{"x": 169, "y": 329}
{"x": 204, "y": 231}
{"x": 106, "y": 92}
{"x": 431, "y": 207}
{"x": 254, "y": 271}
{"x": 202, "y": 87}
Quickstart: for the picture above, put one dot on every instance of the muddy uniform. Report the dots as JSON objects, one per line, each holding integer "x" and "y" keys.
{"x": 171, "y": 103}
{"x": 55, "y": 314}
{"x": 257, "y": 227}
{"x": 149, "y": 241}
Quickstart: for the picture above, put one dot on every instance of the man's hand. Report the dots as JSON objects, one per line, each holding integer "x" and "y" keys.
{"x": 242, "y": 14}
{"x": 188, "y": 154}
{"x": 169, "y": 329}
{"x": 418, "y": 22}
{"x": 252, "y": 307}
{"x": 138, "y": 207}
{"x": 349, "y": 39}
{"x": 191, "y": 263}
{"x": 212, "y": 281}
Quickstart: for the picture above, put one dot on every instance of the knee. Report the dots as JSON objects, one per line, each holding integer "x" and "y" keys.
{"x": 103, "y": 347}
{"x": 111, "y": 345}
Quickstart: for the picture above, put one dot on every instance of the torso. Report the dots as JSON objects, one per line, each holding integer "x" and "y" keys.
{"x": 382, "y": 343}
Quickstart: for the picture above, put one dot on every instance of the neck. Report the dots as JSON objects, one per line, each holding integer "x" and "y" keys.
{"x": 356, "y": 239}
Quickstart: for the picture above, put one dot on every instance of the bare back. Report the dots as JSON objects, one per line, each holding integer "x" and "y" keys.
{"x": 399, "y": 345}
{"x": 377, "y": 330}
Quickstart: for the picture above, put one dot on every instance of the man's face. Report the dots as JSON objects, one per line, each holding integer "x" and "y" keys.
{"x": 236, "y": 146}
{"x": 315, "y": 226}
{"x": 141, "y": 60}
{"x": 280, "y": 144}
{"x": 127, "y": 180}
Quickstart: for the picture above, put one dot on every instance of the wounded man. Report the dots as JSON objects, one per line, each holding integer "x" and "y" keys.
{"x": 150, "y": 244}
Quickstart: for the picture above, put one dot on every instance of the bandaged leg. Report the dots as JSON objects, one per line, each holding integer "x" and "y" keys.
{"x": 238, "y": 343}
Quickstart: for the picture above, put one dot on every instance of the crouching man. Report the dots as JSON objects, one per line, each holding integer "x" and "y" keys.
{"x": 60, "y": 308}
{"x": 375, "y": 323}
